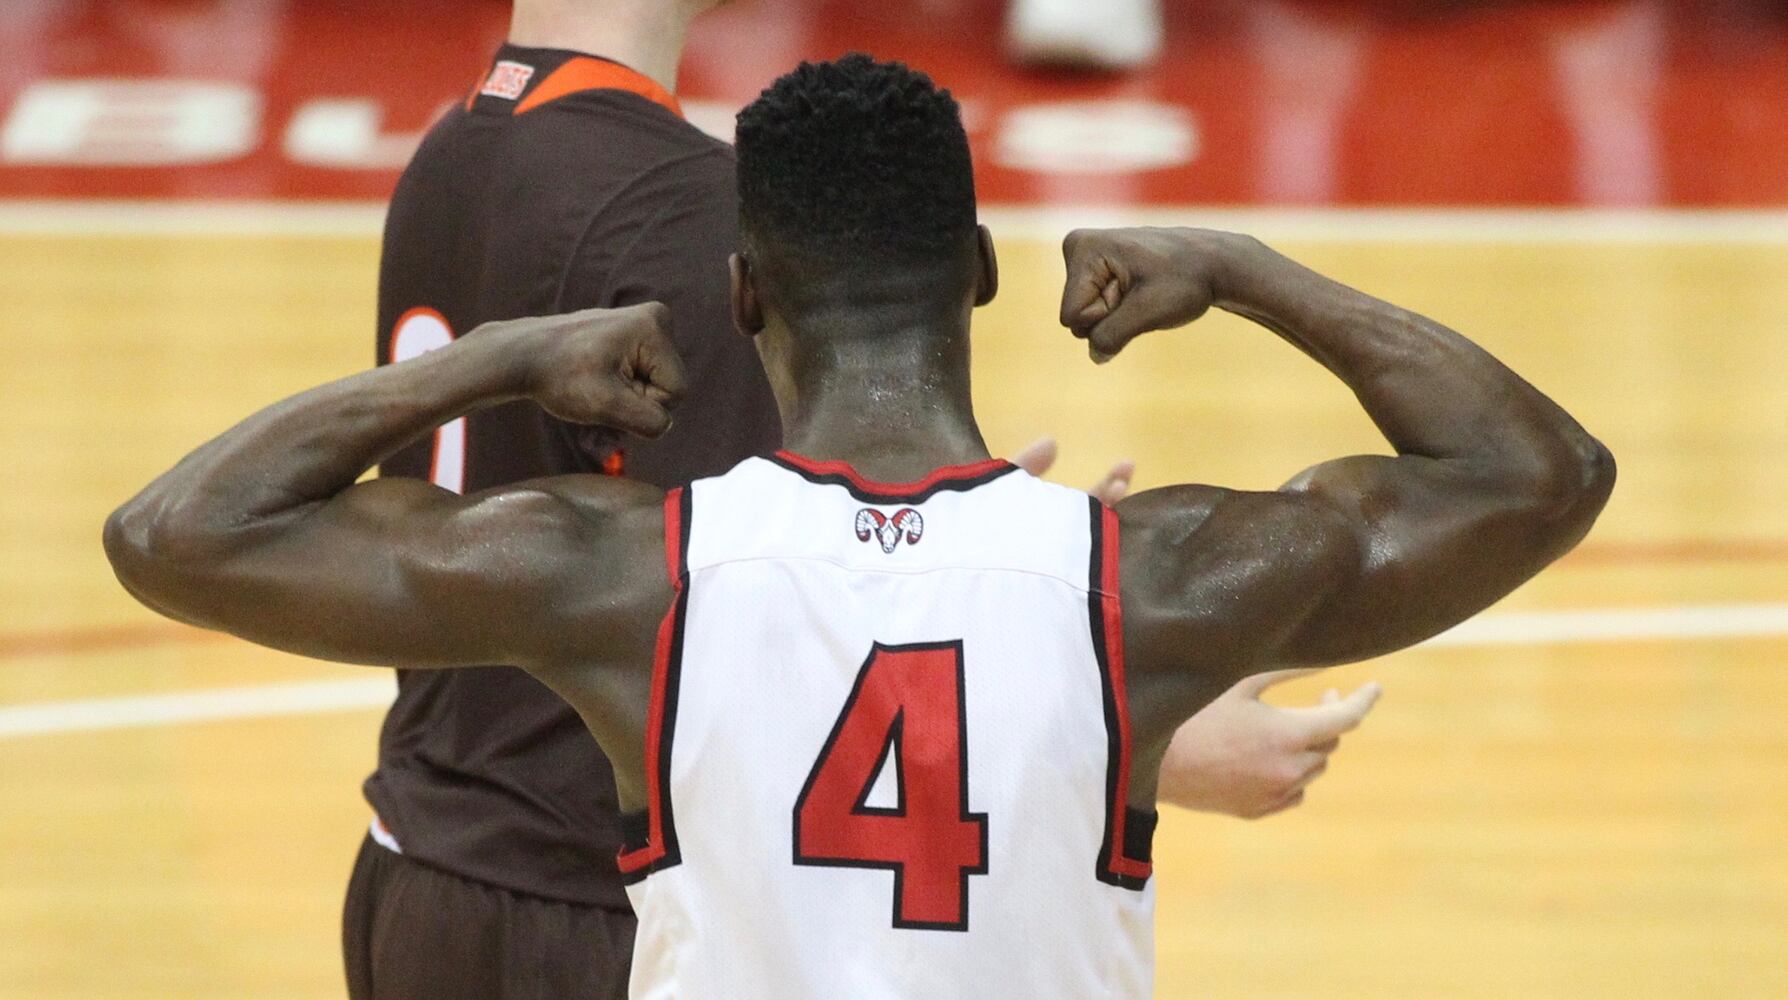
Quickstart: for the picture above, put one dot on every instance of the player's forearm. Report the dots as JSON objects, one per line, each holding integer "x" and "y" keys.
{"x": 1431, "y": 391}
{"x": 304, "y": 450}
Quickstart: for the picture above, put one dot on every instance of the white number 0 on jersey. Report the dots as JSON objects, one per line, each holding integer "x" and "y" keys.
{"x": 417, "y": 332}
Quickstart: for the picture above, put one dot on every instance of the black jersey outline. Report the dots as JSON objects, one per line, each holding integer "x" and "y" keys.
{"x": 886, "y": 498}
{"x": 672, "y": 854}
{"x": 1116, "y": 796}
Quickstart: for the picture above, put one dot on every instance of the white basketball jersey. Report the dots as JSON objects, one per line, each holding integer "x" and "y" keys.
{"x": 888, "y": 751}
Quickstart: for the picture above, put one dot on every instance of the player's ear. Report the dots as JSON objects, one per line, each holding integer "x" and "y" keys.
{"x": 987, "y": 282}
{"x": 748, "y": 312}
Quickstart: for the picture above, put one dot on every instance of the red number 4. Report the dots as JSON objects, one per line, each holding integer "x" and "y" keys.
{"x": 907, "y": 705}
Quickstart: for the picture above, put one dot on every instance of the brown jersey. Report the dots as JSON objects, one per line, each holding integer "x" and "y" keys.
{"x": 564, "y": 182}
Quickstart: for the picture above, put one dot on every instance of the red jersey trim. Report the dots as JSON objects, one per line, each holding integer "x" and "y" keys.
{"x": 661, "y": 849}
{"x": 949, "y": 477}
{"x": 582, "y": 73}
{"x": 1117, "y": 864}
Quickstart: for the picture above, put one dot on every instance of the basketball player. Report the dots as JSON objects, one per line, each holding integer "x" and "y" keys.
{"x": 899, "y": 731}
{"x": 564, "y": 182}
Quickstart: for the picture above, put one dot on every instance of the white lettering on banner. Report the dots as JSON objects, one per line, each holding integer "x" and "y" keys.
{"x": 131, "y": 123}
{"x": 1075, "y": 137}
{"x": 157, "y": 122}
{"x": 344, "y": 133}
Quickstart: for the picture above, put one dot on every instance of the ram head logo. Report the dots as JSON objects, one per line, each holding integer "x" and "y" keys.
{"x": 906, "y": 523}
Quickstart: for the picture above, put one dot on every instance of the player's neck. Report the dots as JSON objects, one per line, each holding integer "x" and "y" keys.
{"x": 893, "y": 411}
{"x": 644, "y": 35}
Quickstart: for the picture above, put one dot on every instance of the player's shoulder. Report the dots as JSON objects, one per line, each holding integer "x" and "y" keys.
{"x": 590, "y": 547}
{"x": 1225, "y": 572}
{"x": 684, "y": 180}
{"x": 1197, "y": 547}
{"x": 1024, "y": 486}
{"x": 1222, "y": 520}
{"x": 558, "y": 516}
{"x": 613, "y": 504}
{"x": 693, "y": 173}
{"x": 608, "y": 115}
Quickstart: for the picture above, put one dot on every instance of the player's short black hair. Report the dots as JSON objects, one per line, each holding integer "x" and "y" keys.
{"x": 855, "y": 166}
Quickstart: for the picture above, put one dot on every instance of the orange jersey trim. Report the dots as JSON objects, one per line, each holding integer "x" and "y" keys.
{"x": 586, "y": 73}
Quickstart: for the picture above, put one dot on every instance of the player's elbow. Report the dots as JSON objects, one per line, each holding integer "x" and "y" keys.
{"x": 154, "y": 551}
{"x": 1564, "y": 498}
{"x": 132, "y": 541}
{"x": 1595, "y": 475}
{"x": 1582, "y": 479}
{"x": 133, "y": 546}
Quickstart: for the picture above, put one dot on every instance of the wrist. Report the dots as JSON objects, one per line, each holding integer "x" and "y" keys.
{"x": 505, "y": 358}
{"x": 1236, "y": 259}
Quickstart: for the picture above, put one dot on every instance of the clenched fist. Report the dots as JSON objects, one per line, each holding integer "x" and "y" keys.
{"x": 613, "y": 367}
{"x": 1126, "y": 282}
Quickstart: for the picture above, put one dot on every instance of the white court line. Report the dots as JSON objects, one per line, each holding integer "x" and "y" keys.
{"x": 314, "y": 219}
{"x": 302, "y": 698}
{"x": 1548, "y": 628}
{"x": 359, "y": 219}
{"x": 1411, "y": 225}
{"x": 1536, "y": 628}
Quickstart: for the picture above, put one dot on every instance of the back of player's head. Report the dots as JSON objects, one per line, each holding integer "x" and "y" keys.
{"x": 854, "y": 173}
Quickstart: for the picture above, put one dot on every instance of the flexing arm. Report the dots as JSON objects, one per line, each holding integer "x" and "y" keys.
{"x": 264, "y": 533}
{"x": 1239, "y": 756}
{"x": 1362, "y": 555}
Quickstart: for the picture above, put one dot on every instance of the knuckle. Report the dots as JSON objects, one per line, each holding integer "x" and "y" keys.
{"x": 1080, "y": 242}
{"x": 645, "y": 317}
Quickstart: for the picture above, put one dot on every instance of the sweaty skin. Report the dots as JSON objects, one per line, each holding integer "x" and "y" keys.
{"x": 264, "y": 532}
{"x": 1355, "y": 557}
{"x": 1247, "y": 758}
{"x": 1238, "y": 756}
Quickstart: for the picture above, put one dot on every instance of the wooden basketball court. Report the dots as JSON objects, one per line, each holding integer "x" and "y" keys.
{"x": 1582, "y": 794}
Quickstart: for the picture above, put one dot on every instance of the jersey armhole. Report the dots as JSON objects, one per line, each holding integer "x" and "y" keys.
{"x": 651, "y": 845}
{"x": 1125, "y": 852}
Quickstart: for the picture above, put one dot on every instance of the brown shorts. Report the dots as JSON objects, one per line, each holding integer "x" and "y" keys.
{"x": 409, "y": 930}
